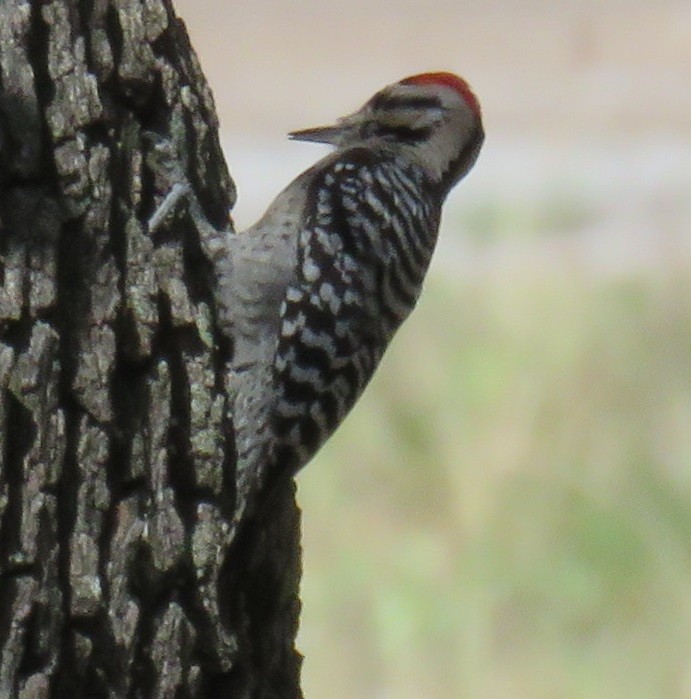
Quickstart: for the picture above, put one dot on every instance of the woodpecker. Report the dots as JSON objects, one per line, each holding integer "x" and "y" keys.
{"x": 312, "y": 294}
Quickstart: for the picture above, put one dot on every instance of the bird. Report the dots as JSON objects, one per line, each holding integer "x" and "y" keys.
{"x": 312, "y": 294}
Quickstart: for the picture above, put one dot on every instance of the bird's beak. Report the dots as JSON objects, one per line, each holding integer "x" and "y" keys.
{"x": 319, "y": 134}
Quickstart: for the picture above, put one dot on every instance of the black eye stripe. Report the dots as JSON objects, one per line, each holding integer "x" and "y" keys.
{"x": 397, "y": 132}
{"x": 386, "y": 102}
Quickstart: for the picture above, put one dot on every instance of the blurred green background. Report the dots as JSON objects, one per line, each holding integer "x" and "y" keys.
{"x": 506, "y": 513}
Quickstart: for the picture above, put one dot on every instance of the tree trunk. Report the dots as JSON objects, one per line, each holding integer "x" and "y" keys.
{"x": 119, "y": 576}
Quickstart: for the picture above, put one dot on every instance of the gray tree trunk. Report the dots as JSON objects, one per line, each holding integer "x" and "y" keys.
{"x": 117, "y": 473}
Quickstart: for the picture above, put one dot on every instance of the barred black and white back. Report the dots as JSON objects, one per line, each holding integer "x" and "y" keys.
{"x": 313, "y": 293}
{"x": 371, "y": 227}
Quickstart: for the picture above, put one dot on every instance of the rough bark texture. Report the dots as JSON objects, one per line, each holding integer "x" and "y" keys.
{"x": 117, "y": 574}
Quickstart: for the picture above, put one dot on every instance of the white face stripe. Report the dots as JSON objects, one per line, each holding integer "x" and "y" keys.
{"x": 446, "y": 96}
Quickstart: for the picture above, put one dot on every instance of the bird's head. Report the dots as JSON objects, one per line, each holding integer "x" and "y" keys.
{"x": 432, "y": 120}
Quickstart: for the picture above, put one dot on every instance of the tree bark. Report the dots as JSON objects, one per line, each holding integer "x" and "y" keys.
{"x": 119, "y": 576}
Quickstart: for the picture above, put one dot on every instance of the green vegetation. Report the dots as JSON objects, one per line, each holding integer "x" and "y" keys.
{"x": 507, "y": 513}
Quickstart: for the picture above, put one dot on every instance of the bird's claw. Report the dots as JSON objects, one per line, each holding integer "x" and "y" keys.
{"x": 177, "y": 192}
